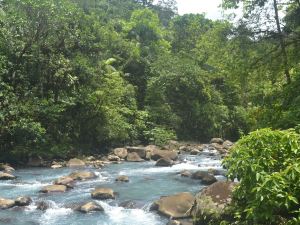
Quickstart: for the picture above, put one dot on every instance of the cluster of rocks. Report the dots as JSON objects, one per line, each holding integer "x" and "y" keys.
{"x": 9, "y": 203}
{"x": 209, "y": 203}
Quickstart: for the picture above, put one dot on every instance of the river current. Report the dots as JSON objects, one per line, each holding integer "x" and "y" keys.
{"x": 147, "y": 184}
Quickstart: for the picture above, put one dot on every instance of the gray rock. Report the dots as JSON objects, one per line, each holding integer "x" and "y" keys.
{"x": 23, "y": 201}
{"x": 164, "y": 162}
{"x": 103, "y": 193}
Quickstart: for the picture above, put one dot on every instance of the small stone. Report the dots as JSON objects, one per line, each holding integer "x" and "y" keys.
{"x": 90, "y": 207}
{"x": 75, "y": 163}
{"x": 54, "y": 188}
{"x": 103, "y": 193}
{"x": 82, "y": 175}
{"x": 6, "y": 176}
{"x": 113, "y": 158}
{"x": 122, "y": 179}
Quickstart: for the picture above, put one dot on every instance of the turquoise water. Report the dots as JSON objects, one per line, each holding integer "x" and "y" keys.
{"x": 147, "y": 183}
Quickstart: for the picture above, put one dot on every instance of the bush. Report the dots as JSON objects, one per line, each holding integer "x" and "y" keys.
{"x": 266, "y": 163}
{"x": 159, "y": 136}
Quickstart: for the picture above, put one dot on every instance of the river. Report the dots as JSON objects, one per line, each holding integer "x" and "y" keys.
{"x": 147, "y": 184}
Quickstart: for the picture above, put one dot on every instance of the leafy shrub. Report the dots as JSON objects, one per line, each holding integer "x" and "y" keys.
{"x": 159, "y": 135}
{"x": 266, "y": 163}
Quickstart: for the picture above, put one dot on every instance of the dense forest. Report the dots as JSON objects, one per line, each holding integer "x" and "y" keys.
{"x": 81, "y": 76}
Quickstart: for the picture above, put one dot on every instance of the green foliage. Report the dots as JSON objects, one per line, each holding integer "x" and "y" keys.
{"x": 266, "y": 164}
{"x": 159, "y": 136}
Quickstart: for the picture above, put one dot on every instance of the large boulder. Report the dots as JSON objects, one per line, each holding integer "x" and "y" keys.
{"x": 208, "y": 179}
{"x": 210, "y": 204}
{"x": 6, "y": 176}
{"x": 67, "y": 181}
{"x": 90, "y": 207}
{"x": 103, "y": 193}
{"x": 199, "y": 175}
{"x": 134, "y": 157}
{"x": 75, "y": 163}
{"x": 164, "y": 162}
{"x": 175, "y": 206}
{"x": 141, "y": 151}
{"x": 120, "y": 152}
{"x": 158, "y": 154}
{"x": 82, "y": 175}
{"x": 217, "y": 141}
{"x": 23, "y": 201}
{"x": 122, "y": 178}
{"x": 185, "y": 173}
{"x": 54, "y": 188}
{"x": 6, "y": 203}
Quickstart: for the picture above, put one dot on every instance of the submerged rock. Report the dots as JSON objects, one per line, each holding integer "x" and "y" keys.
{"x": 122, "y": 179}
{"x": 120, "y": 152}
{"x": 134, "y": 157}
{"x": 175, "y": 206}
{"x": 82, "y": 175}
{"x": 43, "y": 205}
{"x": 6, "y": 203}
{"x": 23, "y": 201}
{"x": 54, "y": 188}
{"x": 103, "y": 193}
{"x": 6, "y": 176}
{"x": 128, "y": 204}
{"x": 90, "y": 207}
{"x": 75, "y": 163}
{"x": 164, "y": 162}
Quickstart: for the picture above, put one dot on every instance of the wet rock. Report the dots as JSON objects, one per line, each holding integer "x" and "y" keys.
{"x": 6, "y": 203}
{"x": 211, "y": 202}
{"x": 75, "y": 163}
{"x": 217, "y": 172}
{"x": 122, "y": 179}
{"x": 103, "y": 193}
{"x": 56, "y": 166}
{"x": 82, "y": 175}
{"x": 185, "y": 173}
{"x": 6, "y": 168}
{"x": 158, "y": 154}
{"x": 113, "y": 158}
{"x": 174, "y": 222}
{"x": 134, "y": 157}
{"x": 23, "y": 201}
{"x": 164, "y": 162}
{"x": 128, "y": 204}
{"x": 217, "y": 141}
{"x": 141, "y": 151}
{"x": 6, "y": 176}
{"x": 67, "y": 181}
{"x": 195, "y": 151}
{"x": 90, "y": 207}
{"x": 208, "y": 179}
{"x": 120, "y": 152}
{"x": 199, "y": 175}
{"x": 174, "y": 206}
{"x": 54, "y": 188}
{"x": 36, "y": 161}
{"x": 43, "y": 205}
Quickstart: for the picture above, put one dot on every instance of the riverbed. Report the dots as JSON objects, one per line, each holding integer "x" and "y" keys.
{"x": 147, "y": 183}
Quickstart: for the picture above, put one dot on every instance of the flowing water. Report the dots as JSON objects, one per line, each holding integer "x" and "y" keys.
{"x": 147, "y": 183}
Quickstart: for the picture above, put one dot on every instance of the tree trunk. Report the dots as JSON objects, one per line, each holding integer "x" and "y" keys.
{"x": 282, "y": 45}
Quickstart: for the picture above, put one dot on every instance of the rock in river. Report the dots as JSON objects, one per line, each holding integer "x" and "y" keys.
{"x": 6, "y": 203}
{"x": 82, "y": 175}
{"x": 6, "y": 176}
{"x": 75, "y": 163}
{"x": 90, "y": 207}
{"x": 120, "y": 152}
{"x": 23, "y": 201}
{"x": 175, "y": 206}
{"x": 67, "y": 181}
{"x": 122, "y": 179}
{"x": 103, "y": 193}
{"x": 164, "y": 162}
{"x": 54, "y": 188}
{"x": 158, "y": 154}
{"x": 134, "y": 157}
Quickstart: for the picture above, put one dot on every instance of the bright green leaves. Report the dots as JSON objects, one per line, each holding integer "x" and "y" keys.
{"x": 267, "y": 164}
